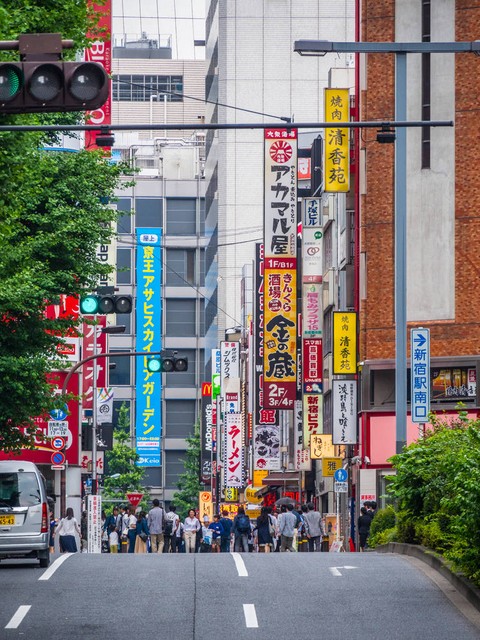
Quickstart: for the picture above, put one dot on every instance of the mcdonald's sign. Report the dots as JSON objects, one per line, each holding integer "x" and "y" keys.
{"x": 206, "y": 388}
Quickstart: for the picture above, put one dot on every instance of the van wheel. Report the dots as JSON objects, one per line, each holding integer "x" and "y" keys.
{"x": 44, "y": 562}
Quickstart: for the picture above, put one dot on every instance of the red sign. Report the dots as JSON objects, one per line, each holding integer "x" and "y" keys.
{"x": 312, "y": 361}
{"x": 206, "y": 388}
{"x": 88, "y": 345}
{"x": 134, "y": 498}
{"x": 43, "y": 450}
{"x": 58, "y": 442}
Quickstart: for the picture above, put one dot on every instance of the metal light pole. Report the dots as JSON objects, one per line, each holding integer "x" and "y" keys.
{"x": 400, "y": 49}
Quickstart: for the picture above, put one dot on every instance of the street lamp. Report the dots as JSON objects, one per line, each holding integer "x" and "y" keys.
{"x": 400, "y": 49}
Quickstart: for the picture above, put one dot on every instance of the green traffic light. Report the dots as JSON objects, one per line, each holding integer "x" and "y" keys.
{"x": 10, "y": 82}
{"x": 154, "y": 364}
{"x": 89, "y": 305}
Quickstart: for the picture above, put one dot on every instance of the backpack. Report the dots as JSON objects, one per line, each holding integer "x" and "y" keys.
{"x": 243, "y": 523}
{"x": 168, "y": 526}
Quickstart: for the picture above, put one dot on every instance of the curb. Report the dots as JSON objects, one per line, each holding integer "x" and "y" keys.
{"x": 461, "y": 584}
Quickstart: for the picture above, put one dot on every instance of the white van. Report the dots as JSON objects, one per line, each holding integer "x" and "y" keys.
{"x": 24, "y": 517}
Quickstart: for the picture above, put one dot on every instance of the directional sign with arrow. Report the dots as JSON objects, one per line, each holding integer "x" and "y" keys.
{"x": 420, "y": 364}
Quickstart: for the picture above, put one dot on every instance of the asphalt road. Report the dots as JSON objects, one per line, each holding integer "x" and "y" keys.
{"x": 213, "y": 597}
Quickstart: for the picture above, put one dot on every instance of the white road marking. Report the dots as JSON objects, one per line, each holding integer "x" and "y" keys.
{"x": 250, "y": 615}
{"x": 239, "y": 563}
{"x": 46, "y": 575}
{"x": 18, "y": 616}
{"x": 335, "y": 570}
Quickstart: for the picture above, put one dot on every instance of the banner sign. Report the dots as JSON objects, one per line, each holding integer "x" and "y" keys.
{"x": 312, "y": 254}
{"x": 149, "y": 338}
{"x": 94, "y": 511}
{"x": 312, "y": 310}
{"x": 281, "y": 193}
{"x": 89, "y": 348}
{"x": 344, "y": 342}
{"x": 337, "y": 160}
{"x": 312, "y": 365}
{"x": 205, "y": 505}
{"x": 100, "y": 51}
{"x": 302, "y": 460}
{"x": 312, "y": 416}
{"x": 233, "y": 450}
{"x": 344, "y": 411}
{"x": 321, "y": 446}
{"x": 104, "y": 405}
{"x": 206, "y": 440}
{"x": 216, "y": 369}
{"x": 266, "y": 447}
{"x": 280, "y": 334}
{"x": 312, "y": 213}
{"x": 229, "y": 361}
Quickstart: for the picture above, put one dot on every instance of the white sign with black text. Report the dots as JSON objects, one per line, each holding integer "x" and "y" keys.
{"x": 344, "y": 412}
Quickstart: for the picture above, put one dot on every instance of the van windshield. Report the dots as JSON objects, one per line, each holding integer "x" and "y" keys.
{"x": 19, "y": 489}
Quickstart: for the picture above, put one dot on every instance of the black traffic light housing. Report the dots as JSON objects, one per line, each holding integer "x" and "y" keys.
{"x": 103, "y": 304}
{"x": 42, "y": 82}
{"x": 167, "y": 363}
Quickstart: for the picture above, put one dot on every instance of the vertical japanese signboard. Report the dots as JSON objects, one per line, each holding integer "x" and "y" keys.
{"x": 280, "y": 264}
{"x": 344, "y": 411}
{"x": 302, "y": 460}
{"x": 100, "y": 51}
{"x": 420, "y": 374}
{"x": 321, "y": 446}
{"x": 312, "y": 416}
{"x": 206, "y": 439}
{"x": 229, "y": 376}
{"x": 336, "y": 141}
{"x": 312, "y": 365}
{"x": 344, "y": 342}
{"x": 216, "y": 371}
{"x": 233, "y": 450}
{"x": 149, "y": 338}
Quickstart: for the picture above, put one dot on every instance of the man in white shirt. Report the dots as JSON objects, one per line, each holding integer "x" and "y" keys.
{"x": 170, "y": 531}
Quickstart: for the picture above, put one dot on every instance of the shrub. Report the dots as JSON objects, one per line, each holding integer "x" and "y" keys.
{"x": 383, "y": 537}
{"x": 384, "y": 519}
{"x": 406, "y": 528}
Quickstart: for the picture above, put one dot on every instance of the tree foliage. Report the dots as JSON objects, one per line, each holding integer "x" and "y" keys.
{"x": 53, "y": 218}
{"x": 437, "y": 489}
{"x": 189, "y": 482}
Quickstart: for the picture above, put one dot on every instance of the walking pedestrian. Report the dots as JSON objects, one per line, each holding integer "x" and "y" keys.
{"x": 207, "y": 535}
{"x": 53, "y": 526}
{"x": 131, "y": 529}
{"x": 274, "y": 530}
{"x": 66, "y": 530}
{"x": 302, "y": 531}
{"x": 217, "y": 531}
{"x": 170, "y": 529}
{"x": 241, "y": 529}
{"x": 156, "y": 524}
{"x": 227, "y": 525}
{"x": 263, "y": 529}
{"x": 316, "y": 530}
{"x": 364, "y": 522}
{"x": 190, "y": 528}
{"x": 286, "y": 527}
{"x": 83, "y": 532}
{"x": 179, "y": 544}
{"x": 142, "y": 533}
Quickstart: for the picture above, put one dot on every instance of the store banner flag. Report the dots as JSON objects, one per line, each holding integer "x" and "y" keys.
{"x": 344, "y": 342}
{"x": 149, "y": 338}
{"x": 344, "y": 411}
{"x": 233, "y": 450}
{"x": 337, "y": 152}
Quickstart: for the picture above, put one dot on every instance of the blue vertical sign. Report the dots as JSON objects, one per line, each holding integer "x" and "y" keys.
{"x": 148, "y": 423}
{"x": 420, "y": 370}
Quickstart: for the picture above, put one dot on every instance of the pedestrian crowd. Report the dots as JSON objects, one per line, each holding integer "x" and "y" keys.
{"x": 161, "y": 531}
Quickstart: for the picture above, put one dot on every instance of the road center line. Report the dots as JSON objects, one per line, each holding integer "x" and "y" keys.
{"x": 241, "y": 568}
{"x": 18, "y": 616}
{"x": 46, "y": 575}
{"x": 250, "y": 615}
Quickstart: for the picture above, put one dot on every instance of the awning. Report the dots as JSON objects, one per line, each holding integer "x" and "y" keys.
{"x": 280, "y": 479}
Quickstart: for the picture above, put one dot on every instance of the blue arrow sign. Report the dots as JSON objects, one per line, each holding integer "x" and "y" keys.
{"x": 420, "y": 374}
{"x": 419, "y": 339}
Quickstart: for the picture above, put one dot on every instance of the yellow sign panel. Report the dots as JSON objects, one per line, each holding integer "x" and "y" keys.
{"x": 312, "y": 416}
{"x": 205, "y": 505}
{"x": 258, "y": 476}
{"x": 251, "y": 494}
{"x": 321, "y": 446}
{"x": 232, "y": 509}
{"x": 344, "y": 342}
{"x": 231, "y": 494}
{"x": 330, "y": 465}
{"x": 337, "y": 160}
{"x": 252, "y": 511}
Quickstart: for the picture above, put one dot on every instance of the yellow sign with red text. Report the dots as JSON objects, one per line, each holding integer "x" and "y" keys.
{"x": 205, "y": 505}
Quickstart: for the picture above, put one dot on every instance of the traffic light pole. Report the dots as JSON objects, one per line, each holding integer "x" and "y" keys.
{"x": 74, "y": 369}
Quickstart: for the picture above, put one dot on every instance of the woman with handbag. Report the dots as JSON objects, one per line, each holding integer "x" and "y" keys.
{"x": 142, "y": 533}
{"x": 264, "y": 532}
{"x": 190, "y": 527}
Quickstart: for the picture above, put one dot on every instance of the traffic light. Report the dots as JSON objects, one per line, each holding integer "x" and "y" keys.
{"x": 103, "y": 304}
{"x": 166, "y": 364}
{"x": 41, "y": 82}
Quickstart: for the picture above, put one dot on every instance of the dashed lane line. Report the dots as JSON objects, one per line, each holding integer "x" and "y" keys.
{"x": 250, "y": 616}
{"x": 46, "y": 575}
{"x": 18, "y": 616}
{"x": 239, "y": 563}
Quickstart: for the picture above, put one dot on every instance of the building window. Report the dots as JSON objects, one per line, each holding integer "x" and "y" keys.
{"x": 139, "y": 88}
{"x": 148, "y": 212}
{"x": 180, "y": 317}
{"x": 121, "y": 375}
{"x": 124, "y": 266}
{"x": 180, "y": 268}
{"x": 180, "y": 418}
{"x": 181, "y": 216}
{"x": 174, "y": 467}
{"x": 124, "y": 223}
{"x": 126, "y": 320}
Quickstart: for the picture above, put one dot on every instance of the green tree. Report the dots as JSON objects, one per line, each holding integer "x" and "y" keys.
{"x": 53, "y": 217}
{"x": 121, "y": 460}
{"x": 189, "y": 482}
